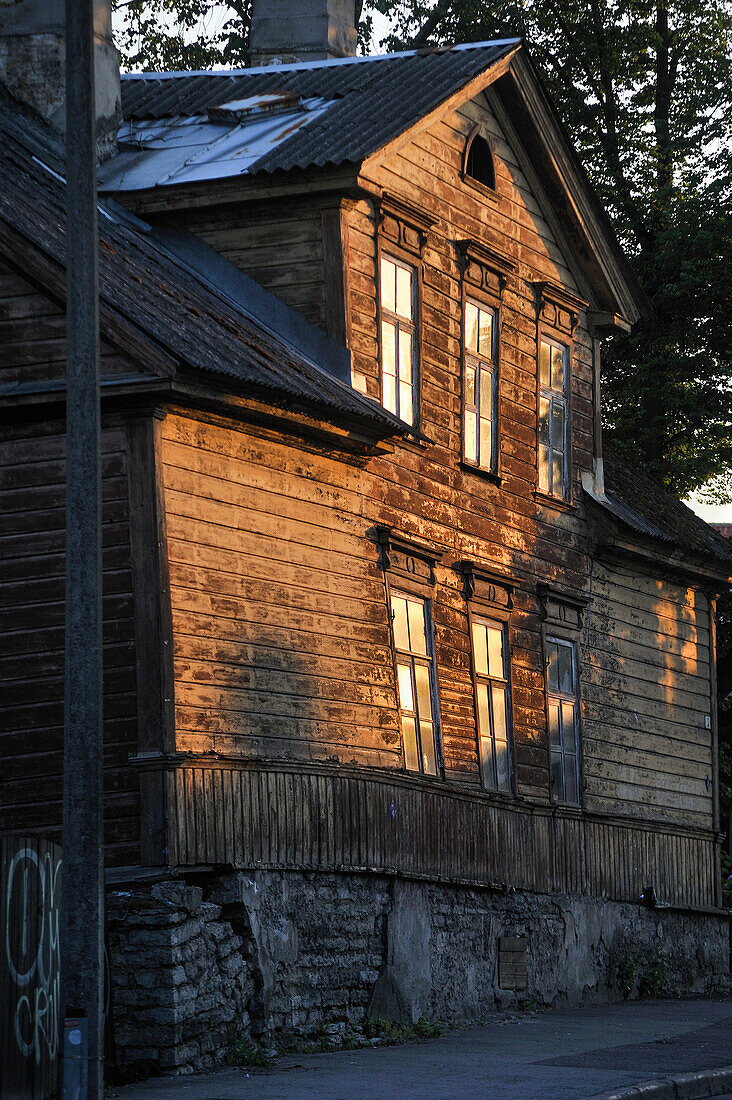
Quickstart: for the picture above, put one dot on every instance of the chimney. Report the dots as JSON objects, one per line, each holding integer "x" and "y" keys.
{"x": 287, "y": 31}
{"x": 33, "y": 63}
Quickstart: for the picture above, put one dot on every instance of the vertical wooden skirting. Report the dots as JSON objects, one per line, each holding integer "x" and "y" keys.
{"x": 712, "y": 604}
{"x": 153, "y": 632}
{"x": 335, "y": 269}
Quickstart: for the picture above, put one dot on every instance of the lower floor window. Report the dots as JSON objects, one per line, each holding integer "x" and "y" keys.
{"x": 563, "y": 710}
{"x": 415, "y": 673}
{"x": 491, "y": 685}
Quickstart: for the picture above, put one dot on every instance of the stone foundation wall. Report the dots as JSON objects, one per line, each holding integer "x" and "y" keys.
{"x": 181, "y": 979}
{"x": 274, "y": 956}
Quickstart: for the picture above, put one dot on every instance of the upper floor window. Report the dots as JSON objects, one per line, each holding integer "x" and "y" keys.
{"x": 479, "y": 162}
{"x": 412, "y": 633}
{"x": 398, "y": 338}
{"x": 490, "y": 661}
{"x": 553, "y": 441}
{"x": 480, "y": 436}
{"x": 562, "y": 707}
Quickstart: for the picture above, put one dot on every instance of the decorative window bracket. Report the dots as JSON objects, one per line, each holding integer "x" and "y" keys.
{"x": 411, "y": 560}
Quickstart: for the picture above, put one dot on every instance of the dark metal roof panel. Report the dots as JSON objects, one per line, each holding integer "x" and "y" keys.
{"x": 374, "y": 99}
{"x": 650, "y": 510}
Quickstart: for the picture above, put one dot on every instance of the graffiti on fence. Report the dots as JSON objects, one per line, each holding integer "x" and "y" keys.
{"x": 30, "y": 895}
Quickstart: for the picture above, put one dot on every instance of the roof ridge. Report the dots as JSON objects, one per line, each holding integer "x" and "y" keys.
{"x": 173, "y": 74}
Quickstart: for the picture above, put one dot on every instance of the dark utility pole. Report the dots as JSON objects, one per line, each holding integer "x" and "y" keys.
{"x": 82, "y": 940}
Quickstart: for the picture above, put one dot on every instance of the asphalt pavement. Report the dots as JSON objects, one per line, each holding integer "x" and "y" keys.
{"x": 571, "y": 1054}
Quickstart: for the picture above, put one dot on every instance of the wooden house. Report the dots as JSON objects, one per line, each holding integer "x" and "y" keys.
{"x": 389, "y": 644}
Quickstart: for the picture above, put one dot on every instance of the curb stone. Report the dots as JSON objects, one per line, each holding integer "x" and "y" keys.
{"x": 686, "y": 1086}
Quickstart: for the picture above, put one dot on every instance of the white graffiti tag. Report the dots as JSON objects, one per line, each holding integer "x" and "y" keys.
{"x": 32, "y": 950}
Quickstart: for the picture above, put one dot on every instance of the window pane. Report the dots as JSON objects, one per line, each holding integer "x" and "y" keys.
{"x": 484, "y": 713}
{"x": 555, "y": 734}
{"x": 471, "y": 395}
{"x": 500, "y": 727}
{"x": 388, "y": 285}
{"x": 487, "y": 763}
{"x": 471, "y": 327}
{"x": 558, "y": 369}
{"x": 389, "y": 393}
{"x": 557, "y": 775}
{"x": 552, "y": 665}
{"x": 544, "y": 368}
{"x": 429, "y": 758}
{"x": 486, "y": 441}
{"x": 409, "y": 736}
{"x": 557, "y": 426}
{"x": 569, "y": 727}
{"x": 471, "y": 441}
{"x": 557, "y": 474}
{"x": 570, "y": 778}
{"x": 417, "y": 637}
{"x": 401, "y": 630}
{"x": 405, "y": 402}
{"x": 486, "y": 393}
{"x": 485, "y": 326}
{"x": 495, "y": 652}
{"x": 503, "y": 769}
{"x": 480, "y": 649}
{"x": 406, "y": 692}
{"x": 543, "y": 420}
{"x": 404, "y": 293}
{"x": 544, "y": 467}
{"x": 565, "y": 670}
{"x": 405, "y": 356}
{"x": 388, "y": 348}
{"x": 424, "y": 698}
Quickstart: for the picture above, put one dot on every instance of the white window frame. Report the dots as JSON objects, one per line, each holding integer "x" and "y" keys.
{"x": 555, "y": 399}
{"x": 410, "y": 659}
{"x": 484, "y": 366}
{"x": 401, "y": 324}
{"x": 558, "y": 749}
{"x": 487, "y": 740}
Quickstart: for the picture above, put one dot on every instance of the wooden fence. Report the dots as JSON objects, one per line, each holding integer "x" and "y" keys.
{"x": 30, "y": 982}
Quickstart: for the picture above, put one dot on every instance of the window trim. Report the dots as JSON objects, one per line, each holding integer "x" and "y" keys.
{"x": 472, "y": 296}
{"x": 548, "y": 336}
{"x": 562, "y": 617}
{"x": 485, "y": 614}
{"x": 406, "y": 592}
{"x": 409, "y": 569}
{"x": 573, "y": 644}
{"x": 388, "y": 250}
{"x": 489, "y": 595}
{"x": 557, "y": 316}
{"x": 485, "y": 274}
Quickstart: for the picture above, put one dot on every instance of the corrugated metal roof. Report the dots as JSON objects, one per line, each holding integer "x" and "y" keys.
{"x": 366, "y": 102}
{"x": 200, "y": 324}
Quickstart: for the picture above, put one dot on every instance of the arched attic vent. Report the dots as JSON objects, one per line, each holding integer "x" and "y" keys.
{"x": 478, "y": 164}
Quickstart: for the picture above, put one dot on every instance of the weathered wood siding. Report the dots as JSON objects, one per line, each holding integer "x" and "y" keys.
{"x": 646, "y": 692}
{"x": 32, "y": 538}
{"x": 336, "y": 820}
{"x": 279, "y": 609}
{"x": 282, "y": 249}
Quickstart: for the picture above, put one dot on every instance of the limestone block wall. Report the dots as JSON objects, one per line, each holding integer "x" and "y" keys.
{"x": 276, "y": 956}
{"x": 181, "y": 979}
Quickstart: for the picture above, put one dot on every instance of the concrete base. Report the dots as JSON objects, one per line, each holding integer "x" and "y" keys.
{"x": 274, "y": 956}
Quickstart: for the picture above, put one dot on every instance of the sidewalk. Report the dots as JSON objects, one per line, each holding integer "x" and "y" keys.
{"x": 570, "y": 1054}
